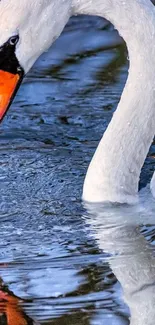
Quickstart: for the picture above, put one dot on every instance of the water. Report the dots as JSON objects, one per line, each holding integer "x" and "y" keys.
{"x": 58, "y": 262}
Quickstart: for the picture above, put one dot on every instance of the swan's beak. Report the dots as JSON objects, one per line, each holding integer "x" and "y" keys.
{"x": 9, "y": 84}
{"x": 11, "y": 74}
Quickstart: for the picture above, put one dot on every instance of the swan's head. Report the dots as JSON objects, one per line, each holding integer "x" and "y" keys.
{"x": 27, "y": 29}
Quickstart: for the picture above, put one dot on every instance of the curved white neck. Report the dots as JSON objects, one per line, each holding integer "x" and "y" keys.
{"x": 113, "y": 174}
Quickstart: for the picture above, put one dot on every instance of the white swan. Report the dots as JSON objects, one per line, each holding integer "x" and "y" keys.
{"x": 28, "y": 28}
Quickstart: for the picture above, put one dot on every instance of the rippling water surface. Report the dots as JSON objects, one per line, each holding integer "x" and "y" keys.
{"x": 60, "y": 261}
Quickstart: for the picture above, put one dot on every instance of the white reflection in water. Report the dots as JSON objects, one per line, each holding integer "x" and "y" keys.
{"x": 118, "y": 231}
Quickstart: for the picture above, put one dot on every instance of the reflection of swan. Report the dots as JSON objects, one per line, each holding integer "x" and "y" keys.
{"x": 132, "y": 262}
{"x": 29, "y": 27}
{"x": 11, "y": 312}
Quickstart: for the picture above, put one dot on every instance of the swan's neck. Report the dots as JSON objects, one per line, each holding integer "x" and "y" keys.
{"x": 113, "y": 174}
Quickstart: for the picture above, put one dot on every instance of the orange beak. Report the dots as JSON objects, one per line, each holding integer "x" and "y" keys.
{"x": 9, "y": 84}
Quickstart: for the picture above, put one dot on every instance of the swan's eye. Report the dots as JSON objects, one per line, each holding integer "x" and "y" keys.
{"x": 14, "y": 40}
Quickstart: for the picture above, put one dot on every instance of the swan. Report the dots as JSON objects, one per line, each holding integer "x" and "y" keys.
{"x": 29, "y": 27}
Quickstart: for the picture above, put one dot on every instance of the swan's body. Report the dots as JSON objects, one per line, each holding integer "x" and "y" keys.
{"x": 113, "y": 174}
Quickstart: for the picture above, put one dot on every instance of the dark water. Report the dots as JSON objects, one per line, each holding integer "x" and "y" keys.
{"x": 54, "y": 256}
